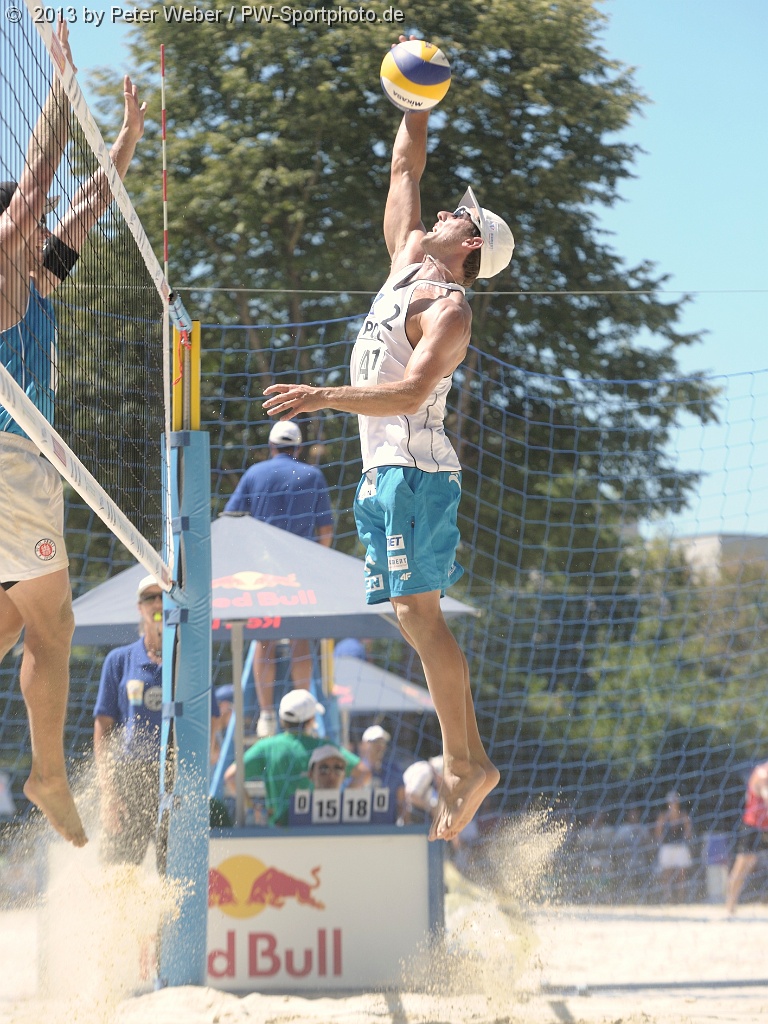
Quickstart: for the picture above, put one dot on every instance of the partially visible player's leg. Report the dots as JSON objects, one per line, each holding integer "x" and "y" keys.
{"x": 301, "y": 664}
{"x": 264, "y": 679}
{"x": 742, "y": 868}
{"x": 44, "y": 605}
{"x": 468, "y": 774}
{"x": 11, "y": 624}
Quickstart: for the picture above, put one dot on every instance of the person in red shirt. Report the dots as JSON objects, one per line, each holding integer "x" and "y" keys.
{"x": 753, "y": 834}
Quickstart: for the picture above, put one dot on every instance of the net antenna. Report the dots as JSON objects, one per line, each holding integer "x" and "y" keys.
{"x": 23, "y": 409}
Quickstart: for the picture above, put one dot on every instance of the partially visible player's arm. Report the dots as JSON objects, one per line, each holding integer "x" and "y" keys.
{"x": 760, "y": 783}
{"x": 445, "y": 329}
{"x": 325, "y": 535}
{"x": 44, "y": 152}
{"x": 94, "y": 197}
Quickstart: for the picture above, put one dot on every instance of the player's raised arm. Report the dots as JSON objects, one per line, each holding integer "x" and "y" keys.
{"x": 403, "y": 227}
{"x": 44, "y": 152}
{"x": 94, "y": 197}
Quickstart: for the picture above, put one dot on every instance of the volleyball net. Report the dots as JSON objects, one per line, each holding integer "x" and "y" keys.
{"x": 107, "y": 377}
{"x": 620, "y": 652}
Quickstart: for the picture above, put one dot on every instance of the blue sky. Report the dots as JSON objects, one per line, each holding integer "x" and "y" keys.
{"x": 697, "y": 207}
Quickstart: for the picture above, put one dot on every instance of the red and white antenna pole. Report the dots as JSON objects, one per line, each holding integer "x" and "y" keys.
{"x": 165, "y": 163}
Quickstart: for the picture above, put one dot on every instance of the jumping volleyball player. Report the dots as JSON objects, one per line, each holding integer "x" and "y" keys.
{"x": 35, "y": 593}
{"x": 414, "y": 337}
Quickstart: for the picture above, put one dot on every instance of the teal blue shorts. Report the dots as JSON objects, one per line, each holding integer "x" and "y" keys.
{"x": 406, "y": 519}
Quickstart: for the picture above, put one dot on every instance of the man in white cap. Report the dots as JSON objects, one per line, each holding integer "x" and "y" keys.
{"x": 281, "y": 761}
{"x": 415, "y": 335}
{"x": 384, "y": 774}
{"x": 35, "y": 591}
{"x": 292, "y": 495}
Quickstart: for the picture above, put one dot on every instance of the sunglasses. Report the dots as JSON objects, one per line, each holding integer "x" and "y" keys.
{"x": 462, "y": 211}
{"x": 149, "y": 598}
{"x": 326, "y": 769}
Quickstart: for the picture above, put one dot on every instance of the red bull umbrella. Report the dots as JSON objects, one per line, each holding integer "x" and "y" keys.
{"x": 267, "y": 582}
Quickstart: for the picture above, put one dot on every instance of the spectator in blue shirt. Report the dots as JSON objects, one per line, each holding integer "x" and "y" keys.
{"x": 292, "y": 495}
{"x": 126, "y": 734}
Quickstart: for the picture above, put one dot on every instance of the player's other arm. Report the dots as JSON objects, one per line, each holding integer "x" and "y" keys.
{"x": 403, "y": 227}
{"x": 44, "y": 152}
{"x": 95, "y": 196}
{"x": 445, "y": 327}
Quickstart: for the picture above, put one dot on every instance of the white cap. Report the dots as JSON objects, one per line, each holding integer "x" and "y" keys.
{"x": 285, "y": 434}
{"x": 375, "y": 732}
{"x": 325, "y": 751}
{"x": 299, "y": 706}
{"x": 436, "y": 763}
{"x": 146, "y": 583}
{"x": 498, "y": 243}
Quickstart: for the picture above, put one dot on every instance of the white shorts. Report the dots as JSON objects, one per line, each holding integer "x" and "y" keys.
{"x": 674, "y": 855}
{"x": 31, "y": 512}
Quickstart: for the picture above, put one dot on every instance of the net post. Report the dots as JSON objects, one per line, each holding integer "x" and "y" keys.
{"x": 185, "y": 758}
{"x": 186, "y": 731}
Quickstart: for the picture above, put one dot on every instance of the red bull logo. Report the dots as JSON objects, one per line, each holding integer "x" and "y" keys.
{"x": 255, "y": 581}
{"x": 262, "y": 590}
{"x": 243, "y": 886}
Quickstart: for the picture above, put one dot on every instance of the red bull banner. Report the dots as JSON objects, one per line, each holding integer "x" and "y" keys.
{"x": 288, "y": 913}
{"x": 261, "y": 590}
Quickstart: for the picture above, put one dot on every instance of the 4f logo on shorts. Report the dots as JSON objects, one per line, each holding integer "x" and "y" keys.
{"x": 45, "y": 549}
{"x": 455, "y": 478}
{"x": 395, "y": 542}
{"x": 374, "y": 583}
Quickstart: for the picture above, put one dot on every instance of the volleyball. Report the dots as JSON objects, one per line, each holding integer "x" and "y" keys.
{"x": 415, "y": 75}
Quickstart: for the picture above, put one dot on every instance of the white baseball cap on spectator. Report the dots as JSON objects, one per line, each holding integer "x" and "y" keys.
{"x": 299, "y": 706}
{"x": 436, "y": 764}
{"x": 375, "y": 732}
{"x": 144, "y": 586}
{"x": 324, "y": 752}
{"x": 285, "y": 434}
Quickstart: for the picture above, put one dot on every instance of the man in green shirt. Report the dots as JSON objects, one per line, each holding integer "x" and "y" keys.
{"x": 282, "y": 761}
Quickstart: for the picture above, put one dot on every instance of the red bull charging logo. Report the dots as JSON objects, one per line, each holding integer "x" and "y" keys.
{"x": 243, "y": 886}
{"x": 255, "y": 581}
{"x": 262, "y": 590}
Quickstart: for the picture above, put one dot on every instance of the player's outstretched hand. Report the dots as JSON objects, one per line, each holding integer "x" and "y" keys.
{"x": 133, "y": 118}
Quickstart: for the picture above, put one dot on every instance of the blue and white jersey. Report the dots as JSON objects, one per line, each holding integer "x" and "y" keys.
{"x": 29, "y": 351}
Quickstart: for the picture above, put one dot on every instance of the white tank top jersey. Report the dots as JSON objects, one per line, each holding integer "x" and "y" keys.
{"x": 380, "y": 356}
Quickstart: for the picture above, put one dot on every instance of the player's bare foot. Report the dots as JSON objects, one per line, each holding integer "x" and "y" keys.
{"x": 55, "y": 800}
{"x": 461, "y": 793}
